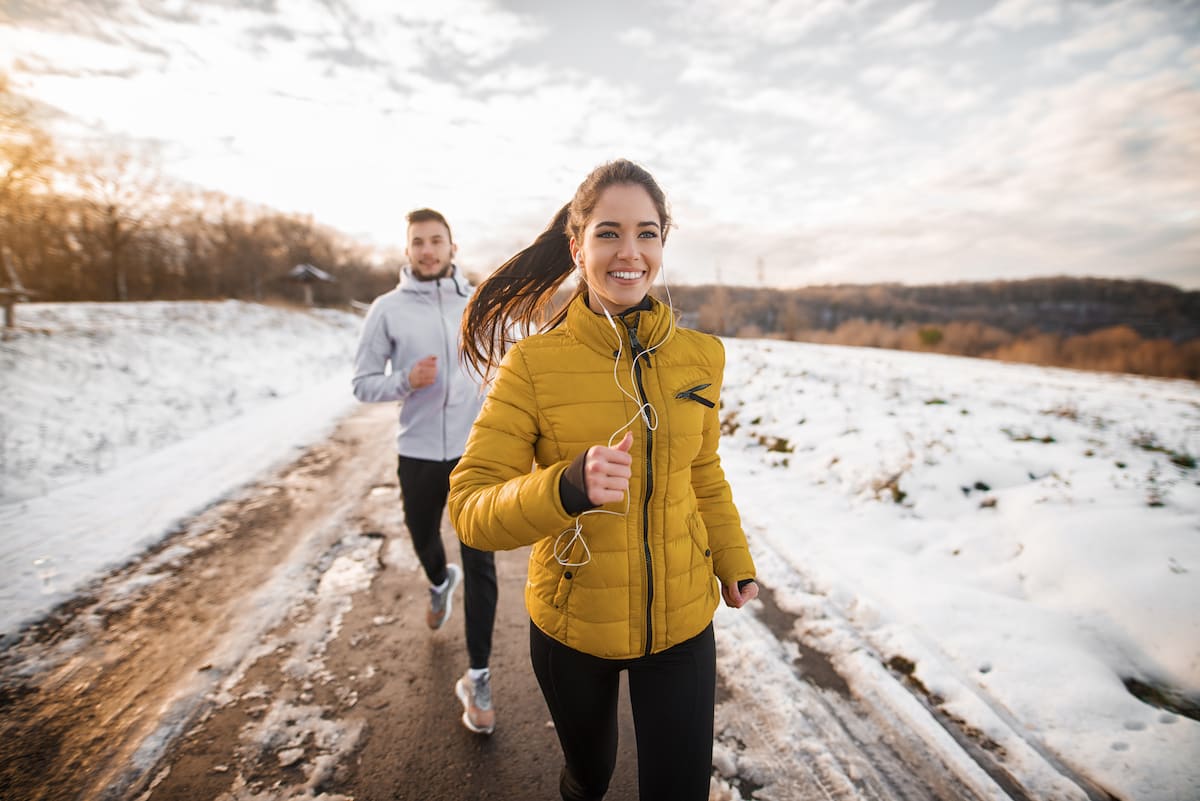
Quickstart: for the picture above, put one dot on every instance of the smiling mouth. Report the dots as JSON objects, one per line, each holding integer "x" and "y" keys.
{"x": 627, "y": 275}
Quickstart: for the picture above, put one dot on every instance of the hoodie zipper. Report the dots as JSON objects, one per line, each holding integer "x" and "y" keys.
{"x": 445, "y": 364}
{"x": 637, "y": 372}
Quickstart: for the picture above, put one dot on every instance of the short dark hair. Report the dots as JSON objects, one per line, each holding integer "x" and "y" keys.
{"x": 429, "y": 215}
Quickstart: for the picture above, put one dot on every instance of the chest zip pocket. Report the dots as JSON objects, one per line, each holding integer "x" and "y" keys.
{"x": 690, "y": 394}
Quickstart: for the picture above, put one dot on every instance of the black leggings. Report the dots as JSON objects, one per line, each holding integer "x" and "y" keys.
{"x": 424, "y": 485}
{"x": 672, "y": 693}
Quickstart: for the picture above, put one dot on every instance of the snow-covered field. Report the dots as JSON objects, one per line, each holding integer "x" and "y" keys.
{"x": 1023, "y": 543}
{"x": 1027, "y": 539}
{"x": 120, "y": 420}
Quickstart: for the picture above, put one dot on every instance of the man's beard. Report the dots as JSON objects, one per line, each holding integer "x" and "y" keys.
{"x": 442, "y": 273}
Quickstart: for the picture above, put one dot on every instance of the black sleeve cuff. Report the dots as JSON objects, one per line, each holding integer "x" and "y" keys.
{"x": 742, "y": 584}
{"x": 572, "y": 489}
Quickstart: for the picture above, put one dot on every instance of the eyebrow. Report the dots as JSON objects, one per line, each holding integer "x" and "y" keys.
{"x": 609, "y": 223}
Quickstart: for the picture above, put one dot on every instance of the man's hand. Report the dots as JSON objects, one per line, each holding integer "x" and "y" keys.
{"x": 737, "y": 599}
{"x": 423, "y": 373}
{"x": 606, "y": 471}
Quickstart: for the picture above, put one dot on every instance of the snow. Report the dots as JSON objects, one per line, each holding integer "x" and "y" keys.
{"x": 993, "y": 525}
{"x": 121, "y": 420}
{"x": 1022, "y": 541}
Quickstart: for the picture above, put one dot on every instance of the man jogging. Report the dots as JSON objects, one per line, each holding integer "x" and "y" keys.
{"x": 415, "y": 328}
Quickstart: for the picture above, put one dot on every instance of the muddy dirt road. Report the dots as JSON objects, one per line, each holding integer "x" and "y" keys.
{"x": 275, "y": 648}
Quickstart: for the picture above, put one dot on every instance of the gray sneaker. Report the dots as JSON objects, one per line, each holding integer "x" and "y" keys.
{"x": 476, "y": 697}
{"x": 441, "y": 601}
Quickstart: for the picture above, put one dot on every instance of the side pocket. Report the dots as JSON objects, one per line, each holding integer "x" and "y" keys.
{"x": 565, "y": 582}
{"x": 699, "y": 536}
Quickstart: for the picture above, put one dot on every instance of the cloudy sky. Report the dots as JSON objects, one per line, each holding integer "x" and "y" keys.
{"x": 799, "y": 141}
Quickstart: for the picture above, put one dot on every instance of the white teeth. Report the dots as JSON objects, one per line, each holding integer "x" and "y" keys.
{"x": 627, "y": 276}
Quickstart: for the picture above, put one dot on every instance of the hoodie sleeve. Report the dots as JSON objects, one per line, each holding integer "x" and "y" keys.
{"x": 375, "y": 349}
{"x": 495, "y": 502}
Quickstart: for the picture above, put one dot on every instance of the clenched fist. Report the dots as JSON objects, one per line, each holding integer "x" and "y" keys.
{"x": 423, "y": 373}
{"x": 607, "y": 470}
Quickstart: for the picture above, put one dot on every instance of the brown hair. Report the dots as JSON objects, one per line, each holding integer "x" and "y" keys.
{"x": 429, "y": 215}
{"x": 517, "y": 297}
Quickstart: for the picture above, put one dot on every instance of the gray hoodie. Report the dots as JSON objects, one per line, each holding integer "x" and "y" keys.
{"x": 415, "y": 320}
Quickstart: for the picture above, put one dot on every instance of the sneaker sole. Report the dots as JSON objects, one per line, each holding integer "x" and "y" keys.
{"x": 455, "y": 580}
{"x": 461, "y": 692}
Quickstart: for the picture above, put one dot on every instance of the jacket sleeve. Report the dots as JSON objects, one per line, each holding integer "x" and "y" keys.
{"x": 731, "y": 554}
{"x": 371, "y": 382}
{"x": 496, "y": 502}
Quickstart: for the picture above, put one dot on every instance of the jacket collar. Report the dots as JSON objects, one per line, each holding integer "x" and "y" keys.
{"x": 652, "y": 325}
{"x": 452, "y": 282}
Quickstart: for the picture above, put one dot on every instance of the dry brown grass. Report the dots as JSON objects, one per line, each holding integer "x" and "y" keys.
{"x": 1119, "y": 349}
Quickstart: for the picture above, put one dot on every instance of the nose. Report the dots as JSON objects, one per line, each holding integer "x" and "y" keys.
{"x": 629, "y": 250}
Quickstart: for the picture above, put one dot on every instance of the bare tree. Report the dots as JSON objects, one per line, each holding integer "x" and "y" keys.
{"x": 124, "y": 194}
{"x": 26, "y": 162}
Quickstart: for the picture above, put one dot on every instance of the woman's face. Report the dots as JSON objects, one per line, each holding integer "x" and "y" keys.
{"x": 621, "y": 248}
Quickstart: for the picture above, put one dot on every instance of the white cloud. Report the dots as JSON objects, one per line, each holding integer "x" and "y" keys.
{"x": 638, "y": 37}
{"x": 709, "y": 68}
{"x": 914, "y": 26}
{"x": 1111, "y": 27}
{"x": 1147, "y": 57}
{"x": 817, "y": 107}
{"x": 745, "y": 25}
{"x": 1021, "y": 14}
{"x": 477, "y": 31}
{"x": 922, "y": 90}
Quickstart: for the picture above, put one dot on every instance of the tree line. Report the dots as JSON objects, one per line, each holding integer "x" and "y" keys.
{"x": 109, "y": 226}
{"x": 1088, "y": 323}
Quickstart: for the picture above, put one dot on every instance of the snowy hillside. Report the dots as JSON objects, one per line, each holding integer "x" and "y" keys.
{"x": 1023, "y": 541}
{"x": 92, "y": 386}
{"x": 119, "y": 420}
{"x": 1020, "y": 546}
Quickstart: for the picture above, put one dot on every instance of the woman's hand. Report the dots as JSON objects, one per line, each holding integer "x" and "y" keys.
{"x": 737, "y": 599}
{"x": 606, "y": 471}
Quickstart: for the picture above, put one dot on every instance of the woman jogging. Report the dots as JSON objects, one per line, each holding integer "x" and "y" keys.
{"x": 627, "y": 509}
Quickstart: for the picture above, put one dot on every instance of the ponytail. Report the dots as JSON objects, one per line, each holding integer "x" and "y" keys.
{"x": 517, "y": 298}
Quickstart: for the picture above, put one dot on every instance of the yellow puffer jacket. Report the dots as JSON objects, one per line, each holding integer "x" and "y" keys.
{"x": 649, "y": 583}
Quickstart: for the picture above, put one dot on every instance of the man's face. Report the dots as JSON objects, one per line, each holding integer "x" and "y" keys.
{"x": 429, "y": 250}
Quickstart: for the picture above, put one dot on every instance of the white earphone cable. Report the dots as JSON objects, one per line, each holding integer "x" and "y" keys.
{"x": 645, "y": 410}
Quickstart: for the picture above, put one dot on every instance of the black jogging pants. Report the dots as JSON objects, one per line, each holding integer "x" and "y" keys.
{"x": 424, "y": 486}
{"x": 673, "y": 695}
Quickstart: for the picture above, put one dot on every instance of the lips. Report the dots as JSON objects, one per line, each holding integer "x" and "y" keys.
{"x": 627, "y": 275}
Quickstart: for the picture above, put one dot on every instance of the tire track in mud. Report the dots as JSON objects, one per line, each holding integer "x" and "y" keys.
{"x": 94, "y": 692}
{"x": 896, "y": 742}
{"x": 821, "y": 744}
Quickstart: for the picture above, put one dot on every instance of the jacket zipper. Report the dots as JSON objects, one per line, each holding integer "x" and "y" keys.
{"x": 637, "y": 372}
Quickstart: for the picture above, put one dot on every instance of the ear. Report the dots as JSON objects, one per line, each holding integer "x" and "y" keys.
{"x": 575, "y": 251}
{"x": 453, "y": 249}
